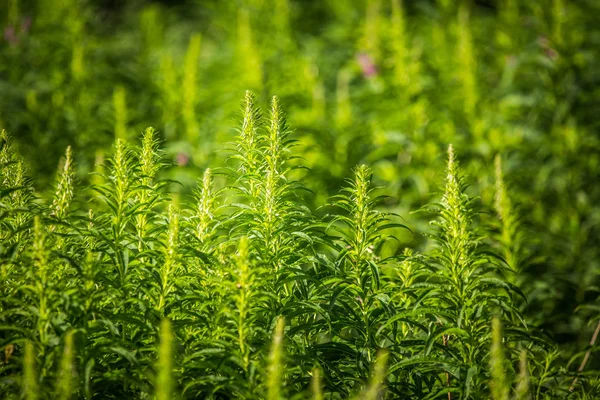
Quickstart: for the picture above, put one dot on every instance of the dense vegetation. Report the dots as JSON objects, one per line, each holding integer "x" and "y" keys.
{"x": 352, "y": 256}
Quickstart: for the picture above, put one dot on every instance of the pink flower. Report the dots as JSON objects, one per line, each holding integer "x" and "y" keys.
{"x": 543, "y": 41}
{"x": 182, "y": 159}
{"x": 549, "y": 51}
{"x": 13, "y": 35}
{"x": 368, "y": 67}
{"x": 10, "y": 35}
{"x": 25, "y": 24}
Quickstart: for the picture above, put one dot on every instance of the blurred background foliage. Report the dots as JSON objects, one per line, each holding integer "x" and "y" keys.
{"x": 362, "y": 81}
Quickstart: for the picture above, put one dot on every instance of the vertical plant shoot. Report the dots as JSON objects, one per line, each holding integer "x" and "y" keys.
{"x": 467, "y": 64}
{"x": 248, "y": 53}
{"x": 120, "y": 113}
{"x": 276, "y": 365}
{"x": 248, "y": 144}
{"x": 65, "y": 385}
{"x": 499, "y": 383}
{"x": 376, "y": 386}
{"x": 164, "y": 387}
{"x": 168, "y": 271}
{"x": 203, "y": 220}
{"x": 317, "y": 385}
{"x": 64, "y": 188}
{"x": 510, "y": 232}
{"x": 147, "y": 198}
{"x": 190, "y": 84}
{"x": 522, "y": 389}
{"x": 30, "y": 384}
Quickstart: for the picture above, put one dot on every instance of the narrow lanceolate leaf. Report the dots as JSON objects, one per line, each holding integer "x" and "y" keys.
{"x": 499, "y": 383}
{"x": 276, "y": 367}
{"x": 164, "y": 380}
{"x": 31, "y": 390}
{"x": 65, "y": 386}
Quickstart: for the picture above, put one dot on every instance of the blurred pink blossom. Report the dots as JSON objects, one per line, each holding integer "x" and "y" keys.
{"x": 543, "y": 41}
{"x": 551, "y": 53}
{"x": 13, "y": 35}
{"x": 546, "y": 45}
{"x": 25, "y": 24}
{"x": 367, "y": 65}
{"x": 182, "y": 159}
{"x": 10, "y": 35}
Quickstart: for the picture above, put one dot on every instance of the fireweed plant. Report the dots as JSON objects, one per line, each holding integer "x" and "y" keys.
{"x": 241, "y": 291}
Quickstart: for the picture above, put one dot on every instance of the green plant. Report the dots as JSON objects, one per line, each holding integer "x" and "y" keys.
{"x": 221, "y": 270}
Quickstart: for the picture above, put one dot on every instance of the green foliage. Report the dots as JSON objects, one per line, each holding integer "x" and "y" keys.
{"x": 222, "y": 270}
{"x": 225, "y": 241}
